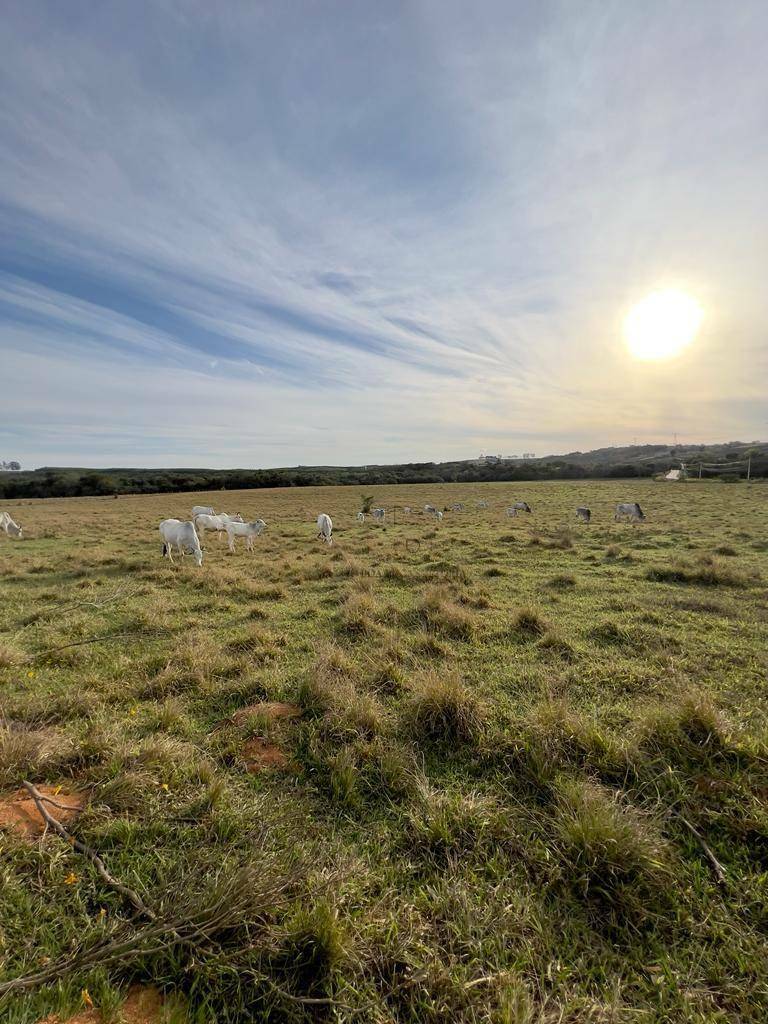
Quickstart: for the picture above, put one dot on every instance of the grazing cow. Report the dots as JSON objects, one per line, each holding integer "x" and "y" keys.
{"x": 430, "y": 510}
{"x": 247, "y": 530}
{"x": 458, "y": 507}
{"x": 438, "y": 516}
{"x": 202, "y": 510}
{"x": 407, "y": 510}
{"x": 361, "y": 517}
{"x": 522, "y": 506}
{"x": 325, "y": 528}
{"x": 629, "y": 510}
{"x": 11, "y": 528}
{"x": 218, "y": 523}
{"x": 378, "y": 514}
{"x": 181, "y": 535}
{"x": 583, "y": 514}
{"x": 481, "y": 504}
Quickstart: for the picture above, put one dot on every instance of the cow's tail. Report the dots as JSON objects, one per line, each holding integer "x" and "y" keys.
{"x": 165, "y": 549}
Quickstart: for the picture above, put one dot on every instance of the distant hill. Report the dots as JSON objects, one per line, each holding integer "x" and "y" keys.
{"x": 631, "y": 461}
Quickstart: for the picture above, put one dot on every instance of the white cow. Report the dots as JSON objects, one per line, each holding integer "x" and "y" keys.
{"x": 378, "y": 514}
{"x": 325, "y": 528}
{"x": 583, "y": 514}
{"x": 458, "y": 507}
{"x": 361, "y": 517}
{"x": 407, "y": 510}
{"x": 438, "y": 516}
{"x": 218, "y": 523}
{"x": 202, "y": 510}
{"x": 181, "y": 535}
{"x": 481, "y": 504}
{"x": 247, "y": 530}
{"x": 522, "y": 506}
{"x": 629, "y": 510}
{"x": 430, "y": 510}
{"x": 11, "y": 528}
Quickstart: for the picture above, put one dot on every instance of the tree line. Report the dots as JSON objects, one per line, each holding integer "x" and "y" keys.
{"x": 65, "y": 483}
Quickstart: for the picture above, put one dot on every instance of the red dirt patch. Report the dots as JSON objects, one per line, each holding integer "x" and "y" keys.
{"x": 261, "y": 755}
{"x": 19, "y": 812}
{"x": 271, "y": 710}
{"x": 143, "y": 1006}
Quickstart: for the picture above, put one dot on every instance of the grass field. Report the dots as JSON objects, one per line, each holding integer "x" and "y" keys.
{"x": 475, "y": 771}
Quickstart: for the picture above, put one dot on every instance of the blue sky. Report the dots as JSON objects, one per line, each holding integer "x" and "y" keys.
{"x": 260, "y": 234}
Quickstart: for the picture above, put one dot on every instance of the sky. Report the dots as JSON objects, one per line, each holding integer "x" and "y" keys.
{"x": 278, "y": 233}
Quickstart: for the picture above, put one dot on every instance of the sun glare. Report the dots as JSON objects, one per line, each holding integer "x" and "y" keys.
{"x": 662, "y": 324}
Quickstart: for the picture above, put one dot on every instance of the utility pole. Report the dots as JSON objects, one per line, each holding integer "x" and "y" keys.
{"x": 749, "y": 467}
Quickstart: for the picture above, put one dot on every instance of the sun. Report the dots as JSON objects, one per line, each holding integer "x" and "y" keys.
{"x": 662, "y": 324}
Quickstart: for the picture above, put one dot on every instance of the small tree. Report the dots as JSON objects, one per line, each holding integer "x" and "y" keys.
{"x": 366, "y": 502}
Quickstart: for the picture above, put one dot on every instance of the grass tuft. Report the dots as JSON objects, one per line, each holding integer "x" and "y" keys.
{"x": 442, "y": 710}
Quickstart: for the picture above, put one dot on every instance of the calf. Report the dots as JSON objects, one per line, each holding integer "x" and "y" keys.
{"x": 218, "y": 523}
{"x": 202, "y": 510}
{"x": 378, "y": 514}
{"x": 247, "y": 530}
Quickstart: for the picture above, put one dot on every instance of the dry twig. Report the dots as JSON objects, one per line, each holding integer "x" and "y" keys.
{"x": 136, "y": 901}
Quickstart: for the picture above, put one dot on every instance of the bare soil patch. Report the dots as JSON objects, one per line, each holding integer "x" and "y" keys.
{"x": 261, "y": 755}
{"x": 143, "y": 1006}
{"x": 19, "y": 812}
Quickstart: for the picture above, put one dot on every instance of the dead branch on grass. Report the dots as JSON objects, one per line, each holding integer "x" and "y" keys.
{"x": 717, "y": 867}
{"x": 133, "y": 897}
{"x": 245, "y": 898}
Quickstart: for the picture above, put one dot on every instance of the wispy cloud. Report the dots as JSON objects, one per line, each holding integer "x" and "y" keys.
{"x": 267, "y": 234}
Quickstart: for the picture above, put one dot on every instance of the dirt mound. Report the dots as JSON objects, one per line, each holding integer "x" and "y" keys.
{"x": 19, "y": 812}
{"x": 261, "y": 755}
{"x": 143, "y": 1006}
{"x": 269, "y": 710}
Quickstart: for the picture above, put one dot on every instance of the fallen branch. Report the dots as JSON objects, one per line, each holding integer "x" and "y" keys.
{"x": 243, "y": 898}
{"x": 138, "y": 904}
{"x": 95, "y": 640}
{"x": 716, "y": 865}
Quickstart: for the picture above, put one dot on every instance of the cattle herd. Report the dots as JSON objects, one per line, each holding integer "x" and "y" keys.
{"x": 185, "y": 536}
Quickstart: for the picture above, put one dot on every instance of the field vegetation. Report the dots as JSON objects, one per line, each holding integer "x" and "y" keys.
{"x": 510, "y": 771}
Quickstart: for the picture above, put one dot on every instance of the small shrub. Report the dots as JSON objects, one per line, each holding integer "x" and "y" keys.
{"x": 725, "y": 549}
{"x": 443, "y": 710}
